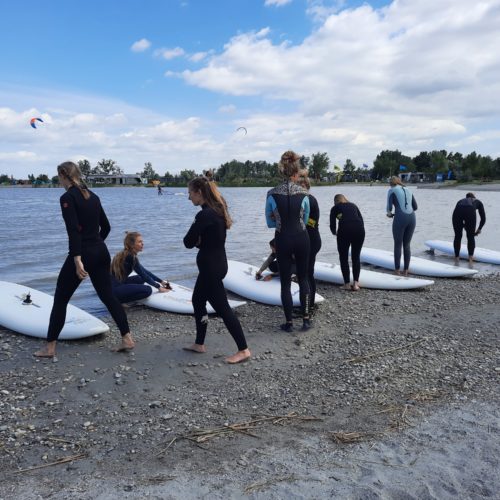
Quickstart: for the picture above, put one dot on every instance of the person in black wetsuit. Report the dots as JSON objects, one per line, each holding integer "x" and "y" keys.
{"x": 313, "y": 232}
{"x": 351, "y": 233}
{"x": 287, "y": 210}
{"x": 208, "y": 233}
{"x": 132, "y": 288}
{"x": 87, "y": 227}
{"x": 464, "y": 217}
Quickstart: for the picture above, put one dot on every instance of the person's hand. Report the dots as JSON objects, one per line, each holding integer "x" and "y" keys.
{"x": 269, "y": 277}
{"x": 163, "y": 289}
{"x": 80, "y": 270}
{"x": 258, "y": 276}
{"x": 166, "y": 284}
{"x": 477, "y": 232}
{"x": 389, "y": 214}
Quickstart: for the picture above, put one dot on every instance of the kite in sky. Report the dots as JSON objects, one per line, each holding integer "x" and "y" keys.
{"x": 34, "y": 120}
{"x": 242, "y": 128}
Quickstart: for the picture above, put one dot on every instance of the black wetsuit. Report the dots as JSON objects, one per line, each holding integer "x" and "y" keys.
{"x": 351, "y": 233}
{"x": 208, "y": 233}
{"x": 132, "y": 288}
{"x": 315, "y": 243}
{"x": 464, "y": 217}
{"x": 287, "y": 209}
{"x": 87, "y": 227}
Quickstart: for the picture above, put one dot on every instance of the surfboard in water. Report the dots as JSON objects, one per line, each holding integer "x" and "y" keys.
{"x": 26, "y": 310}
{"x": 480, "y": 254}
{"x": 423, "y": 267}
{"x": 369, "y": 279}
{"x": 240, "y": 279}
{"x": 178, "y": 300}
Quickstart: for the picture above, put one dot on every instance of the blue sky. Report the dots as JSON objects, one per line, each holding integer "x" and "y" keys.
{"x": 170, "y": 81}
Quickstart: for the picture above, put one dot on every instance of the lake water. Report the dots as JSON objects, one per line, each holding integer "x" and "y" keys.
{"x": 34, "y": 242}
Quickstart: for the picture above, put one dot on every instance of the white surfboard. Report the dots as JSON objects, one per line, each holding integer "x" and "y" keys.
{"x": 30, "y": 315}
{"x": 480, "y": 254}
{"x": 240, "y": 279}
{"x": 423, "y": 267}
{"x": 369, "y": 279}
{"x": 178, "y": 300}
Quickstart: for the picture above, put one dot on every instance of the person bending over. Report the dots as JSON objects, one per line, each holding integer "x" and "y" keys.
{"x": 132, "y": 288}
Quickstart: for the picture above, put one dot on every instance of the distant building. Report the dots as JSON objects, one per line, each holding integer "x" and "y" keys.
{"x": 415, "y": 177}
{"x": 118, "y": 179}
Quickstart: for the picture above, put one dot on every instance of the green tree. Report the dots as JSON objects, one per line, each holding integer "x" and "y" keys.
{"x": 349, "y": 169}
{"x": 389, "y": 162}
{"x": 85, "y": 167}
{"x": 318, "y": 168}
{"x": 4, "y": 178}
{"x": 187, "y": 175}
{"x": 107, "y": 167}
{"x": 149, "y": 172}
{"x": 42, "y": 178}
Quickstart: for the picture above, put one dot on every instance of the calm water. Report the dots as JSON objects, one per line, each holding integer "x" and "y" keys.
{"x": 34, "y": 242}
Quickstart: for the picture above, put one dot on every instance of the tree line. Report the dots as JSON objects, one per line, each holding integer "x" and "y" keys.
{"x": 262, "y": 173}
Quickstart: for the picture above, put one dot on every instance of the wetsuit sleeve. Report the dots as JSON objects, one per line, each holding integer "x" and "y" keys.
{"x": 148, "y": 277}
{"x": 266, "y": 264}
{"x": 482, "y": 214}
{"x": 72, "y": 223}
{"x": 201, "y": 222}
{"x": 105, "y": 227}
{"x": 390, "y": 201}
{"x": 270, "y": 209}
{"x": 306, "y": 208}
{"x": 359, "y": 214}
{"x": 333, "y": 220}
{"x": 413, "y": 203}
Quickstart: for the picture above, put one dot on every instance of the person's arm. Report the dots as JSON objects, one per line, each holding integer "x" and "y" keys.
{"x": 105, "y": 227}
{"x": 482, "y": 215}
{"x": 265, "y": 265}
{"x": 145, "y": 274}
{"x": 359, "y": 214}
{"x": 306, "y": 209}
{"x": 388, "y": 209}
{"x": 414, "y": 203}
{"x": 72, "y": 223}
{"x": 271, "y": 207}
{"x": 333, "y": 220}
{"x": 201, "y": 222}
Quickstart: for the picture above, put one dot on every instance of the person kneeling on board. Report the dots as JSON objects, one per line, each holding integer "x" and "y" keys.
{"x": 271, "y": 263}
{"x": 128, "y": 288}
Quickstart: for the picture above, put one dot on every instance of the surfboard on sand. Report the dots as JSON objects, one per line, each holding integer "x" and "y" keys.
{"x": 332, "y": 273}
{"x": 423, "y": 267}
{"x": 26, "y": 310}
{"x": 178, "y": 300}
{"x": 480, "y": 254}
{"x": 240, "y": 279}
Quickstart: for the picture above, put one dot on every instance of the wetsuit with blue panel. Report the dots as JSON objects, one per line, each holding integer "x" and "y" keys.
{"x": 403, "y": 224}
{"x": 287, "y": 210}
{"x": 464, "y": 217}
{"x": 132, "y": 288}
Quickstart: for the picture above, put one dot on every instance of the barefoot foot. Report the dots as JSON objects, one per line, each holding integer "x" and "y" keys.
{"x": 239, "y": 357}
{"x": 49, "y": 351}
{"x": 346, "y": 286}
{"x": 199, "y": 348}
{"x": 127, "y": 344}
{"x": 356, "y": 287}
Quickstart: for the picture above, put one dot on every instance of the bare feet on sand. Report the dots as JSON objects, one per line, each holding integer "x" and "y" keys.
{"x": 127, "y": 344}
{"x": 199, "y": 348}
{"x": 239, "y": 357}
{"x": 346, "y": 286}
{"x": 49, "y": 351}
{"x": 356, "y": 287}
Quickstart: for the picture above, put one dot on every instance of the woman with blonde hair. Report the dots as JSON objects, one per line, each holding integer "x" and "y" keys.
{"x": 350, "y": 234}
{"x": 208, "y": 233}
{"x": 287, "y": 211}
{"x": 132, "y": 288}
{"x": 404, "y": 221}
{"x": 87, "y": 227}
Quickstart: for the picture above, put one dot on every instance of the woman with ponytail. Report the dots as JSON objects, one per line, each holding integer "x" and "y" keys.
{"x": 87, "y": 227}
{"x": 208, "y": 233}
{"x": 131, "y": 288}
{"x": 287, "y": 210}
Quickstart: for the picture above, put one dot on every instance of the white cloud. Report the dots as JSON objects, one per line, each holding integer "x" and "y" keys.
{"x": 228, "y": 108}
{"x": 277, "y": 3}
{"x": 169, "y": 53}
{"x": 141, "y": 45}
{"x": 198, "y": 56}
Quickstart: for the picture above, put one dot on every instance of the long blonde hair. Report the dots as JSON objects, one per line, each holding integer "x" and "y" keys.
{"x": 70, "y": 171}
{"x": 211, "y": 196}
{"x": 117, "y": 267}
{"x": 396, "y": 181}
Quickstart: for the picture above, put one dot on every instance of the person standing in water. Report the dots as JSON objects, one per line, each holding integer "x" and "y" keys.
{"x": 313, "y": 232}
{"x": 132, "y": 288}
{"x": 350, "y": 234}
{"x": 287, "y": 210}
{"x": 87, "y": 227}
{"x": 208, "y": 233}
{"x": 464, "y": 217}
{"x": 404, "y": 221}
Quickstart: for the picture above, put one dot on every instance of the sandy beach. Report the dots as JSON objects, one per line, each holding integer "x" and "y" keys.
{"x": 391, "y": 395}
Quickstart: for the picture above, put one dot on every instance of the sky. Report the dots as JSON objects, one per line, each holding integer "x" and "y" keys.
{"x": 170, "y": 81}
